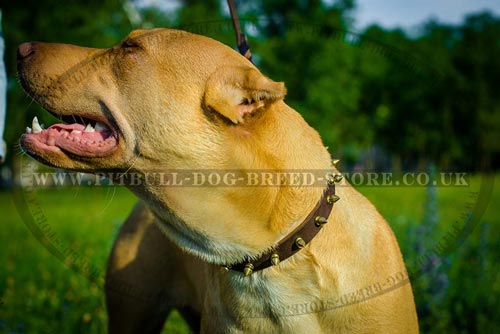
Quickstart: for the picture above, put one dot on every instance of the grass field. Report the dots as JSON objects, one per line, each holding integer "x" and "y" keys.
{"x": 41, "y": 294}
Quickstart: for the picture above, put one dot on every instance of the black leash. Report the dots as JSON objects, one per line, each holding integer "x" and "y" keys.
{"x": 241, "y": 39}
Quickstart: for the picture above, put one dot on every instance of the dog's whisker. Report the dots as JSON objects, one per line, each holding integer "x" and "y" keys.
{"x": 133, "y": 160}
{"x": 18, "y": 150}
{"x": 109, "y": 201}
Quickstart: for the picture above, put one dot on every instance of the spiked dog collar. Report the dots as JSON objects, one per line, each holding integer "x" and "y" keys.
{"x": 298, "y": 238}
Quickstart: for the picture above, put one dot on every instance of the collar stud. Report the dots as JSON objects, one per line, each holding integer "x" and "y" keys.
{"x": 248, "y": 270}
{"x": 275, "y": 259}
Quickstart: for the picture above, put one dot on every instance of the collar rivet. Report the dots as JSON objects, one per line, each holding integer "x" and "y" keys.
{"x": 248, "y": 269}
{"x": 275, "y": 259}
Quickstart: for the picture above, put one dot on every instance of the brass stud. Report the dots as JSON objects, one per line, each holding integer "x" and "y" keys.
{"x": 320, "y": 221}
{"x": 248, "y": 270}
{"x": 224, "y": 269}
{"x": 275, "y": 259}
{"x": 335, "y": 162}
{"x": 299, "y": 242}
{"x": 337, "y": 178}
{"x": 330, "y": 199}
{"x": 331, "y": 179}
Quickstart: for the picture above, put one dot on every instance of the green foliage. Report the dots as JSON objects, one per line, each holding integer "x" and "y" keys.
{"x": 440, "y": 114}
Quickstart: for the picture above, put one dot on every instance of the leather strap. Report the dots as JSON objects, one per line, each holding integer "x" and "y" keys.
{"x": 241, "y": 39}
{"x": 291, "y": 244}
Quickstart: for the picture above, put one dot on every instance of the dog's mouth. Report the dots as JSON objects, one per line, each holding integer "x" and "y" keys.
{"x": 79, "y": 137}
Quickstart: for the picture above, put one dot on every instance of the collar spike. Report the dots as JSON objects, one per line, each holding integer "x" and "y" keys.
{"x": 248, "y": 270}
{"x": 319, "y": 221}
{"x": 330, "y": 199}
{"x": 300, "y": 243}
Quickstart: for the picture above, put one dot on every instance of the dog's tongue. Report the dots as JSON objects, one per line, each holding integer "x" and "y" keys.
{"x": 78, "y": 139}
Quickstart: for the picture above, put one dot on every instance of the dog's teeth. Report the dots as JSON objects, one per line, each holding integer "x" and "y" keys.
{"x": 36, "y": 126}
{"x": 76, "y": 132}
{"x": 28, "y": 129}
{"x": 89, "y": 128}
{"x": 100, "y": 127}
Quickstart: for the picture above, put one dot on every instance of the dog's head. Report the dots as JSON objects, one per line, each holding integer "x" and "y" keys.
{"x": 161, "y": 98}
{"x": 170, "y": 100}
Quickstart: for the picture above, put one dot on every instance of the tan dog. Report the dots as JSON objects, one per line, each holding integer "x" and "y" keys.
{"x": 167, "y": 100}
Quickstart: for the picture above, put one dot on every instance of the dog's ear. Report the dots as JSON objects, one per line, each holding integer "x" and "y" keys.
{"x": 238, "y": 91}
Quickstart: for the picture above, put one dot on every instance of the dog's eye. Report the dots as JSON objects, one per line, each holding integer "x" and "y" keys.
{"x": 130, "y": 43}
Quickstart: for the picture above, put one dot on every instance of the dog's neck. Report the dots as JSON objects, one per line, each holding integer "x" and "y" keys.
{"x": 227, "y": 224}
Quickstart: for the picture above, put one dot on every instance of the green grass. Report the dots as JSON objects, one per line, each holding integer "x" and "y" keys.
{"x": 41, "y": 294}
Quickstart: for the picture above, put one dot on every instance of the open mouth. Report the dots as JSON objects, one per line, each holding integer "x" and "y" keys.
{"x": 81, "y": 137}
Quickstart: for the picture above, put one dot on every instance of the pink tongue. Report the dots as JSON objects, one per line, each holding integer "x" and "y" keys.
{"x": 72, "y": 138}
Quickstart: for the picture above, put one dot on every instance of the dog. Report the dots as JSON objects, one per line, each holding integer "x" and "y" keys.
{"x": 229, "y": 258}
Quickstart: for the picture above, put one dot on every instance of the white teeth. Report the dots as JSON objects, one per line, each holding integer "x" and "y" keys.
{"x": 36, "y": 126}
{"x": 89, "y": 128}
{"x": 28, "y": 129}
{"x": 76, "y": 132}
{"x": 100, "y": 127}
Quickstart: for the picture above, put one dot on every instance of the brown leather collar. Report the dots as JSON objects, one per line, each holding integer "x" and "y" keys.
{"x": 298, "y": 238}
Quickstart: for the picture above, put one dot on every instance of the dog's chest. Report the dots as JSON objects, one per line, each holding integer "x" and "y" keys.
{"x": 257, "y": 304}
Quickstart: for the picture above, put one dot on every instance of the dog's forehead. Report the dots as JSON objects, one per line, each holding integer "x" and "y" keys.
{"x": 160, "y": 36}
{"x": 171, "y": 45}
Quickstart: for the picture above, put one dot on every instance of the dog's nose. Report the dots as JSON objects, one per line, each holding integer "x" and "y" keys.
{"x": 25, "y": 50}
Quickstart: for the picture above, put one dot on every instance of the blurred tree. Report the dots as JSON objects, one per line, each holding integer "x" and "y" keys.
{"x": 477, "y": 101}
{"x": 441, "y": 105}
{"x": 197, "y": 11}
